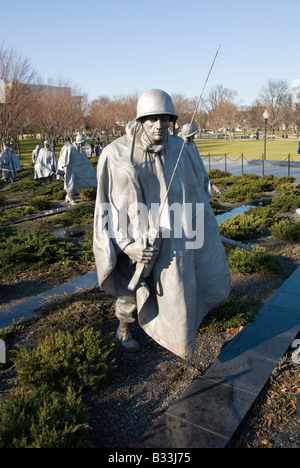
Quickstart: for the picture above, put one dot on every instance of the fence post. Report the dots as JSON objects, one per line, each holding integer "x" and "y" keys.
{"x": 242, "y": 164}
{"x": 209, "y": 161}
{"x": 225, "y": 163}
{"x": 289, "y": 165}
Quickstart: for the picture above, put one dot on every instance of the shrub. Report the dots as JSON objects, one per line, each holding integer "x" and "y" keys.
{"x": 240, "y": 227}
{"x": 287, "y": 189}
{"x": 33, "y": 248}
{"x": 284, "y": 203}
{"x": 54, "y": 191}
{"x": 40, "y": 202}
{"x": 24, "y": 185}
{"x": 2, "y": 200}
{"x": 286, "y": 230}
{"x": 76, "y": 215}
{"x": 232, "y": 313}
{"x": 10, "y": 215}
{"x": 238, "y": 193}
{"x": 35, "y": 419}
{"x": 264, "y": 215}
{"x": 63, "y": 360}
{"x": 259, "y": 260}
{"x": 88, "y": 194}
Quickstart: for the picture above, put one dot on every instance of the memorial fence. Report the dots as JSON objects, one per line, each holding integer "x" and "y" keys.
{"x": 223, "y": 161}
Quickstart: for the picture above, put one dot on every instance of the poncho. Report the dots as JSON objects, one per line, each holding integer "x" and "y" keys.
{"x": 45, "y": 164}
{"x": 185, "y": 282}
{"x": 7, "y": 165}
{"x": 77, "y": 168}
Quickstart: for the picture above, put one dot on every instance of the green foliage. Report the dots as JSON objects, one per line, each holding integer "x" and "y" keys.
{"x": 6, "y": 232}
{"x": 36, "y": 419}
{"x": 286, "y": 230}
{"x": 2, "y": 199}
{"x": 264, "y": 215}
{"x": 287, "y": 189}
{"x": 26, "y": 184}
{"x": 259, "y": 260}
{"x": 12, "y": 214}
{"x": 54, "y": 191}
{"x": 232, "y": 313}
{"x": 40, "y": 202}
{"x": 33, "y": 248}
{"x": 11, "y": 330}
{"x": 63, "y": 360}
{"x": 240, "y": 227}
{"x": 88, "y": 194}
{"x": 76, "y": 215}
{"x": 285, "y": 203}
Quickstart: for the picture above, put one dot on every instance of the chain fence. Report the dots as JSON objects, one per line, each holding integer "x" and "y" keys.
{"x": 287, "y": 166}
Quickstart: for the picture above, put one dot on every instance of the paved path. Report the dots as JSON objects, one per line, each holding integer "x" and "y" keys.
{"x": 210, "y": 412}
{"x": 26, "y": 309}
{"x": 276, "y": 168}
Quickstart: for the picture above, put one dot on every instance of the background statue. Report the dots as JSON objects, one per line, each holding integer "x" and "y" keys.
{"x": 45, "y": 164}
{"x": 35, "y": 153}
{"x": 16, "y": 160}
{"x": 7, "y": 165}
{"x": 182, "y": 279}
{"x": 76, "y": 168}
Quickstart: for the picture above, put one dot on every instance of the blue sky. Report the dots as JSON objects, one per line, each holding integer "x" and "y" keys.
{"x": 121, "y": 47}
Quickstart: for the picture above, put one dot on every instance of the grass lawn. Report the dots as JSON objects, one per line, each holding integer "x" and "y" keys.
{"x": 251, "y": 149}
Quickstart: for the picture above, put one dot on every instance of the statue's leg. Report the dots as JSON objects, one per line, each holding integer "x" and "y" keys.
{"x": 125, "y": 312}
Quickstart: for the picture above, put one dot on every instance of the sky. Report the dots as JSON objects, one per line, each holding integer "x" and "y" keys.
{"x": 123, "y": 47}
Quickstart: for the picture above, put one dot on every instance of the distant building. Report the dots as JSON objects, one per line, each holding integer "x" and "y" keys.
{"x": 295, "y": 95}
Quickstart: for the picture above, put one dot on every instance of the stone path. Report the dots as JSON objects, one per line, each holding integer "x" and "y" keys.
{"x": 210, "y": 412}
{"x": 276, "y": 168}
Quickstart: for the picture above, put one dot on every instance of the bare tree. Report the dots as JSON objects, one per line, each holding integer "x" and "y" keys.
{"x": 58, "y": 110}
{"x": 17, "y": 75}
{"x": 273, "y": 96}
{"x": 221, "y": 108}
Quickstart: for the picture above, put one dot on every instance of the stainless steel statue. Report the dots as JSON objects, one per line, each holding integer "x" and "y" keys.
{"x": 8, "y": 165}
{"x": 45, "y": 163}
{"x": 76, "y": 169}
{"x": 153, "y": 210}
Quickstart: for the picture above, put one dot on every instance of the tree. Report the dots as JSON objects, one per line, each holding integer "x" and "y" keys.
{"x": 58, "y": 110}
{"x": 273, "y": 96}
{"x": 17, "y": 75}
{"x": 221, "y": 108}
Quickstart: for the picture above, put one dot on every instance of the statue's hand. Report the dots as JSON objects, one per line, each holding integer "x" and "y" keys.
{"x": 138, "y": 253}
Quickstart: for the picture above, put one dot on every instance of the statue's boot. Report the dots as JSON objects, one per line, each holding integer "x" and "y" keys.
{"x": 125, "y": 338}
{"x": 69, "y": 199}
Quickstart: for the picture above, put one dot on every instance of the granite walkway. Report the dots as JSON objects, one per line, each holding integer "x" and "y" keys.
{"x": 26, "y": 309}
{"x": 210, "y": 412}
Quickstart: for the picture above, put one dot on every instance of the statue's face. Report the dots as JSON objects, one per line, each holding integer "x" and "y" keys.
{"x": 156, "y": 127}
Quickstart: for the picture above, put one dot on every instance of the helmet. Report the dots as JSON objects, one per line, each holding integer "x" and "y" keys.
{"x": 80, "y": 138}
{"x": 155, "y": 102}
{"x": 188, "y": 130}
